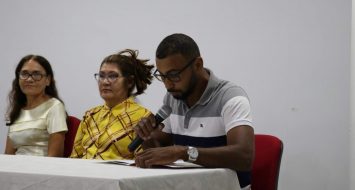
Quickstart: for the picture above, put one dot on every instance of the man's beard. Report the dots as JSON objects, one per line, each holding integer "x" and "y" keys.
{"x": 184, "y": 95}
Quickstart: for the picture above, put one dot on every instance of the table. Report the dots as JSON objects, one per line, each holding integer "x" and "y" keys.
{"x": 37, "y": 173}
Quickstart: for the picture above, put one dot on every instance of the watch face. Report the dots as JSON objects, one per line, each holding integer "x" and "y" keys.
{"x": 193, "y": 153}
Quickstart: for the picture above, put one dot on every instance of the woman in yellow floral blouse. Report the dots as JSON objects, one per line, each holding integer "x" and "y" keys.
{"x": 106, "y": 131}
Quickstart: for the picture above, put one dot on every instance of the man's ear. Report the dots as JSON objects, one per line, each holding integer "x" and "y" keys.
{"x": 199, "y": 63}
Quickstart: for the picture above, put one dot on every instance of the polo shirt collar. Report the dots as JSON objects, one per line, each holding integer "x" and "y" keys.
{"x": 212, "y": 84}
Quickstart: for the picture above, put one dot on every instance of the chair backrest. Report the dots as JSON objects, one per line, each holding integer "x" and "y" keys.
{"x": 73, "y": 124}
{"x": 266, "y": 166}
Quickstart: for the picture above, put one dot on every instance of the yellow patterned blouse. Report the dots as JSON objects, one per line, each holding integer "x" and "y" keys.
{"x": 105, "y": 133}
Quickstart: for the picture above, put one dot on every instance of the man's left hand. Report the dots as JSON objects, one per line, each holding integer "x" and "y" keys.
{"x": 160, "y": 156}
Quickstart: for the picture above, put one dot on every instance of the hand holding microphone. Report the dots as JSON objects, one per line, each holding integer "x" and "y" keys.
{"x": 147, "y": 125}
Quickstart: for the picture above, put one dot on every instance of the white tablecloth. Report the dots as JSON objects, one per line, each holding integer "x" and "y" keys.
{"x": 37, "y": 173}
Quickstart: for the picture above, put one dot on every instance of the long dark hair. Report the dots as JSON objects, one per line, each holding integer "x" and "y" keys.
{"x": 17, "y": 99}
{"x": 129, "y": 64}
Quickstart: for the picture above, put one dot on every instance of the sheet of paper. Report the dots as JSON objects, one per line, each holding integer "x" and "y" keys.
{"x": 183, "y": 164}
{"x": 120, "y": 162}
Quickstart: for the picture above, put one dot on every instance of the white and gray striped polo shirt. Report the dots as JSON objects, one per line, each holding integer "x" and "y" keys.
{"x": 221, "y": 107}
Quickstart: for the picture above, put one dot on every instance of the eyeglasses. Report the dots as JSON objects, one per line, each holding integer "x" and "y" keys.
{"x": 36, "y": 76}
{"x": 111, "y": 77}
{"x": 173, "y": 76}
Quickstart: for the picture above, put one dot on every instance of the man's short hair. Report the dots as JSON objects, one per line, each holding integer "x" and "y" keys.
{"x": 178, "y": 44}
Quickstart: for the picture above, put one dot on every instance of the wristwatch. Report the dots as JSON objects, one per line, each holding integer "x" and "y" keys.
{"x": 192, "y": 152}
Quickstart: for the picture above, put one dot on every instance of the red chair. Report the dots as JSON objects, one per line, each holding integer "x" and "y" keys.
{"x": 73, "y": 124}
{"x": 266, "y": 166}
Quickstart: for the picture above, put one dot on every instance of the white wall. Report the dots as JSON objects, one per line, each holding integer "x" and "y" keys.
{"x": 292, "y": 57}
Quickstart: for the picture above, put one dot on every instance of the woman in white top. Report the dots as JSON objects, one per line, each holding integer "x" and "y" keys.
{"x": 36, "y": 116}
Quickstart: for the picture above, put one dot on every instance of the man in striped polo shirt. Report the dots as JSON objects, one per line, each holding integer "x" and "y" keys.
{"x": 208, "y": 121}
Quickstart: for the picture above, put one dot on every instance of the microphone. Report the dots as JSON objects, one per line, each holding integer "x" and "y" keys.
{"x": 162, "y": 114}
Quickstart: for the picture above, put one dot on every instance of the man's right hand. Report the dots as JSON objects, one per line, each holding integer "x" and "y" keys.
{"x": 146, "y": 126}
